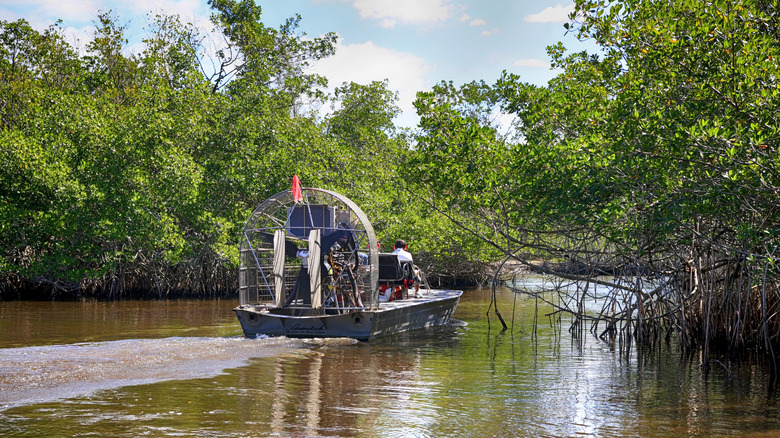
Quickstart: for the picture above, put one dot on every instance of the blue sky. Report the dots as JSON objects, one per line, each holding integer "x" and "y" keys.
{"x": 414, "y": 44}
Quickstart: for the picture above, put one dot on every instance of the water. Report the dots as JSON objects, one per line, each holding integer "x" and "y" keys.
{"x": 181, "y": 368}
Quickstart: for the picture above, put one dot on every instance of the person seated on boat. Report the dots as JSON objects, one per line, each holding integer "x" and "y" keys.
{"x": 400, "y": 249}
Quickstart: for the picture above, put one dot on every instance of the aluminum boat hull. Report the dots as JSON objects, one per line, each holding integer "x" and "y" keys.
{"x": 435, "y": 307}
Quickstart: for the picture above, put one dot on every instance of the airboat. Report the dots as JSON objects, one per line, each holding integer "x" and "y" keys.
{"x": 310, "y": 267}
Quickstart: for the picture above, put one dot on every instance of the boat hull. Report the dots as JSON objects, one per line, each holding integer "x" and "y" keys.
{"x": 436, "y": 307}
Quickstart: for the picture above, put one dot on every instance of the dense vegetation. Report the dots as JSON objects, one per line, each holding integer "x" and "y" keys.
{"x": 125, "y": 174}
{"x": 655, "y": 160}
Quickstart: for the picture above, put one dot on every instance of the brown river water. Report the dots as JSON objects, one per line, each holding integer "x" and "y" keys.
{"x": 182, "y": 368}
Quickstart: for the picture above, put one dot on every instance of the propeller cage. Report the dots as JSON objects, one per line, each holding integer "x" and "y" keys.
{"x": 320, "y": 253}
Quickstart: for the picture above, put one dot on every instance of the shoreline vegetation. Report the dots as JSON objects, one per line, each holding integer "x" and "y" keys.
{"x": 179, "y": 282}
{"x": 655, "y": 161}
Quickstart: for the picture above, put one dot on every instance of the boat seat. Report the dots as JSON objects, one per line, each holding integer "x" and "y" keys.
{"x": 393, "y": 271}
{"x": 390, "y": 267}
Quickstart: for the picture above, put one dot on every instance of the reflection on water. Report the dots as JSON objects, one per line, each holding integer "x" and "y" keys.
{"x": 48, "y": 323}
{"x": 458, "y": 380}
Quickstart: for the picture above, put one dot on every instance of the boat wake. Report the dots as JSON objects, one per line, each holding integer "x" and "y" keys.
{"x": 40, "y": 374}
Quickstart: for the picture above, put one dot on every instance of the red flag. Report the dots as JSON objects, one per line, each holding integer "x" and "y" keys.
{"x": 296, "y": 189}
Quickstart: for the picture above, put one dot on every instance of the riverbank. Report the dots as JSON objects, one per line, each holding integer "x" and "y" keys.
{"x": 178, "y": 286}
{"x": 16, "y": 288}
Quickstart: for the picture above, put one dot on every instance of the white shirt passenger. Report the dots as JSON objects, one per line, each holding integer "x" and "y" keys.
{"x": 403, "y": 255}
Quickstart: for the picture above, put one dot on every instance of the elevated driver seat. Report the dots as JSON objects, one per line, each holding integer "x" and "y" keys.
{"x": 393, "y": 272}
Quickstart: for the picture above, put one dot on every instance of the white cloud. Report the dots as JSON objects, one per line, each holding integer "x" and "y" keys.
{"x": 69, "y": 9}
{"x": 486, "y": 33}
{"x": 478, "y": 22}
{"x": 367, "y": 62}
{"x": 553, "y": 14}
{"x": 79, "y": 37}
{"x": 391, "y": 12}
{"x": 531, "y": 62}
{"x": 8, "y": 15}
{"x": 186, "y": 9}
{"x": 503, "y": 121}
{"x": 43, "y": 13}
{"x": 86, "y": 10}
{"x": 79, "y": 16}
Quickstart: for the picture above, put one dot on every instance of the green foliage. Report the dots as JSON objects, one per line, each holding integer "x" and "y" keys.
{"x": 460, "y": 172}
{"x": 694, "y": 115}
{"x": 673, "y": 124}
{"x": 130, "y": 173}
{"x": 367, "y": 155}
{"x": 116, "y": 166}
{"x": 260, "y": 60}
{"x": 668, "y": 136}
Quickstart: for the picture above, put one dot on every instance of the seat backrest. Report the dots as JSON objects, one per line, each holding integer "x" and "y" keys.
{"x": 407, "y": 270}
{"x": 390, "y": 267}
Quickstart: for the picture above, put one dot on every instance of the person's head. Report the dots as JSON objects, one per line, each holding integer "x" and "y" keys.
{"x": 400, "y": 244}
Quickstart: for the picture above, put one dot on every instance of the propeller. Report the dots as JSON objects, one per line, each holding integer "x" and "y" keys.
{"x": 290, "y": 248}
{"x": 340, "y": 234}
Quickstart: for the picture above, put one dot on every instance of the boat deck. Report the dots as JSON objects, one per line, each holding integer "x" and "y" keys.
{"x": 426, "y": 295}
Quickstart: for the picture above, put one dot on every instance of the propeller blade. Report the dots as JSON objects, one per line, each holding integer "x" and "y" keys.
{"x": 335, "y": 236}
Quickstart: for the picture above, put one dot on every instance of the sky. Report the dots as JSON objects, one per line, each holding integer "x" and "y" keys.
{"x": 414, "y": 44}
